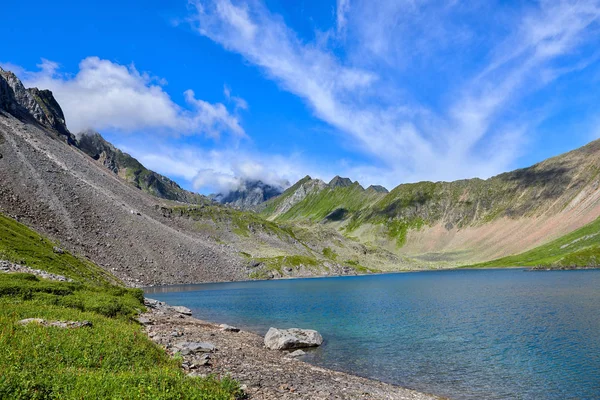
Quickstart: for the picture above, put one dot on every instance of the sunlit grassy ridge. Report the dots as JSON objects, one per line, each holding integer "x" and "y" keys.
{"x": 112, "y": 359}
{"x": 579, "y": 248}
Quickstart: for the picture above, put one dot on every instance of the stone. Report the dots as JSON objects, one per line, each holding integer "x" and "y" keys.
{"x": 28, "y": 321}
{"x": 58, "y": 250}
{"x": 283, "y": 339}
{"x": 182, "y": 310}
{"x": 229, "y": 328}
{"x": 297, "y": 353}
{"x": 186, "y": 348}
{"x": 145, "y": 321}
{"x": 56, "y": 324}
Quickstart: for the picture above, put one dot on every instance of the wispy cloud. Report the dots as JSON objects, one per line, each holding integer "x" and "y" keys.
{"x": 107, "y": 95}
{"x": 343, "y": 6}
{"x": 408, "y": 140}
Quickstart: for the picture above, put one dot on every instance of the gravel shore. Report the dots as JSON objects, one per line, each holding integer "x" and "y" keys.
{"x": 264, "y": 374}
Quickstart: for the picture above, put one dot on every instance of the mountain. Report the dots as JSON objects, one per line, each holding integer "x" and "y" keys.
{"x": 84, "y": 194}
{"x": 32, "y": 104}
{"x": 454, "y": 223}
{"x": 132, "y": 171}
{"x": 99, "y": 203}
{"x": 248, "y": 195}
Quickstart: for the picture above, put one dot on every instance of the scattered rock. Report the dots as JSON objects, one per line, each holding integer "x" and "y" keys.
{"x": 182, "y": 310}
{"x": 7, "y": 266}
{"x": 229, "y": 328}
{"x": 58, "y": 250}
{"x": 297, "y": 353}
{"x": 56, "y": 324}
{"x": 144, "y": 321}
{"x": 186, "y": 348}
{"x": 28, "y": 321}
{"x": 283, "y": 339}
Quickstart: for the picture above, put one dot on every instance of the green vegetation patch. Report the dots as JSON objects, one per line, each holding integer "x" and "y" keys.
{"x": 580, "y": 248}
{"x": 398, "y": 229}
{"x": 281, "y": 263}
{"x": 112, "y": 359}
{"x": 329, "y": 253}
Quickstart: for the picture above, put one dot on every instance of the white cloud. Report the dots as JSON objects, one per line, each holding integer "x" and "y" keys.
{"x": 406, "y": 140}
{"x": 341, "y": 10}
{"x": 105, "y": 95}
{"x": 221, "y": 170}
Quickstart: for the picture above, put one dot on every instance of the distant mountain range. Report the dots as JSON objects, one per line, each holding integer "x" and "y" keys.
{"x": 248, "y": 195}
{"x": 100, "y": 202}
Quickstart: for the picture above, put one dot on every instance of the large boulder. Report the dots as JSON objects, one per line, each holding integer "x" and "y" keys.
{"x": 283, "y": 339}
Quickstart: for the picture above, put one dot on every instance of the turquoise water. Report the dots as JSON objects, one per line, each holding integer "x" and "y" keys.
{"x": 467, "y": 334}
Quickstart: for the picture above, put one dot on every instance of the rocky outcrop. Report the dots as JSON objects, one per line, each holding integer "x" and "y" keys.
{"x": 249, "y": 194}
{"x": 39, "y": 105}
{"x": 284, "y": 339}
{"x": 9, "y": 267}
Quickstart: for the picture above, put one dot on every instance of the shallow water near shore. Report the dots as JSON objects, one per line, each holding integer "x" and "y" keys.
{"x": 465, "y": 334}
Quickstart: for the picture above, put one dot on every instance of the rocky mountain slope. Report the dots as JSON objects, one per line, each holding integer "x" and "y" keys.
{"x": 99, "y": 202}
{"x": 248, "y": 195}
{"x": 81, "y": 194}
{"x": 456, "y": 222}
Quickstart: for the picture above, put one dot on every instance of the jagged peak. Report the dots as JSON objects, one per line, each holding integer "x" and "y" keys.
{"x": 378, "y": 189}
{"x": 33, "y": 103}
{"x": 338, "y": 181}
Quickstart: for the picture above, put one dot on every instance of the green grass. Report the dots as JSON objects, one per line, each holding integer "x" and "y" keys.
{"x": 113, "y": 359}
{"x": 579, "y": 248}
{"x": 329, "y": 253}
{"x": 317, "y": 206}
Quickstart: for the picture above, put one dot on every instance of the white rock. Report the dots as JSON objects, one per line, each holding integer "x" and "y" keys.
{"x": 182, "y": 310}
{"x": 297, "y": 353}
{"x": 283, "y": 339}
{"x": 229, "y": 328}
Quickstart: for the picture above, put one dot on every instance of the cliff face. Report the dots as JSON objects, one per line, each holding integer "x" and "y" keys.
{"x": 39, "y": 105}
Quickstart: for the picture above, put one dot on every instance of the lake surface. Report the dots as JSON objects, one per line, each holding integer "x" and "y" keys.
{"x": 466, "y": 334}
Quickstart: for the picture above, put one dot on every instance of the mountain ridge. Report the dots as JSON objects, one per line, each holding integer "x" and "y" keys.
{"x": 103, "y": 204}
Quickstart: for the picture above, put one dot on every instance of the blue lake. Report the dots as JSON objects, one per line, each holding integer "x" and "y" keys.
{"x": 464, "y": 334}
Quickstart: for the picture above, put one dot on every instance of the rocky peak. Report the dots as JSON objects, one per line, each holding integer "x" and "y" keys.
{"x": 95, "y": 146}
{"x": 248, "y": 194}
{"x": 39, "y": 105}
{"x": 340, "y": 182}
{"x": 378, "y": 189}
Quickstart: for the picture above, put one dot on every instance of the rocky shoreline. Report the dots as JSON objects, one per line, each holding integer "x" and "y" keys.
{"x": 206, "y": 348}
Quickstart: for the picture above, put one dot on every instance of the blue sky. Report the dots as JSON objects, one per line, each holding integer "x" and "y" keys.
{"x": 209, "y": 92}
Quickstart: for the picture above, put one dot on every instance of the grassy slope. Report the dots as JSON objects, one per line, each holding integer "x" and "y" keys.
{"x": 112, "y": 359}
{"x": 546, "y": 187}
{"x": 318, "y": 205}
{"x": 579, "y": 248}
